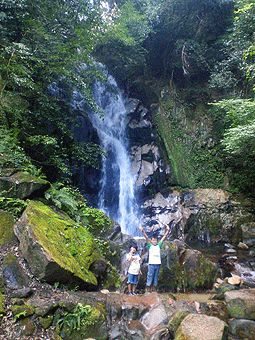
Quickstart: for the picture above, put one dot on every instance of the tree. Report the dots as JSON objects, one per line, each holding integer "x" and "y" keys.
{"x": 46, "y": 53}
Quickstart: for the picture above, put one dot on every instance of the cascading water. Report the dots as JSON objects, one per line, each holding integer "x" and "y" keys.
{"x": 117, "y": 193}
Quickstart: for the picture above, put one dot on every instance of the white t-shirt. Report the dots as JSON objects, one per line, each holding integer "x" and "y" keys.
{"x": 134, "y": 267}
{"x": 154, "y": 253}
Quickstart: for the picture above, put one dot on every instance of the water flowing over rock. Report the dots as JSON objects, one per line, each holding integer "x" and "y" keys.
{"x": 117, "y": 192}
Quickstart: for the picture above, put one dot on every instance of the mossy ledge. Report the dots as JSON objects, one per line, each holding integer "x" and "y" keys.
{"x": 57, "y": 249}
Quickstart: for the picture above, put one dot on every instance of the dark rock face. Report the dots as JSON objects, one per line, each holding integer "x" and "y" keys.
{"x": 22, "y": 185}
{"x": 85, "y": 177}
{"x": 14, "y": 275}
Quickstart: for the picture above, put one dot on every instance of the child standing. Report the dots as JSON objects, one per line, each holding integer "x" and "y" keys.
{"x": 134, "y": 269}
{"x": 154, "y": 258}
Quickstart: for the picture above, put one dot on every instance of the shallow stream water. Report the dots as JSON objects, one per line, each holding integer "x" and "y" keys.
{"x": 244, "y": 266}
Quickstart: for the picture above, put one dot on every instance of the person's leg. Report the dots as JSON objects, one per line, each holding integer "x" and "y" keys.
{"x": 135, "y": 280}
{"x": 133, "y": 288}
{"x": 129, "y": 282}
{"x": 150, "y": 276}
{"x": 155, "y": 276}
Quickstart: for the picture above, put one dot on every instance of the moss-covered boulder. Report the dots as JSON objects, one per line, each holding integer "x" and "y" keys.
{"x": 185, "y": 268}
{"x": 241, "y": 303}
{"x": 56, "y": 248}
{"x": 84, "y": 322}
{"x": 7, "y": 222}
{"x": 22, "y": 184}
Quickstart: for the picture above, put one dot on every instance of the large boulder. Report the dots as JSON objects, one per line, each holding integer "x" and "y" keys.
{"x": 241, "y": 303}
{"x": 7, "y": 222}
{"x": 22, "y": 185}
{"x": 202, "y": 327}
{"x": 242, "y": 329}
{"x": 184, "y": 268}
{"x": 56, "y": 248}
{"x": 14, "y": 275}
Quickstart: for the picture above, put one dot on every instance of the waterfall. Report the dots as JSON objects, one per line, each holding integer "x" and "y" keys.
{"x": 117, "y": 193}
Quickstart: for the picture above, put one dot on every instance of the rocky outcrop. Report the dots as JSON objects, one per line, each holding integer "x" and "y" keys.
{"x": 184, "y": 268}
{"x": 207, "y": 215}
{"x": 7, "y": 235}
{"x": 22, "y": 185}
{"x": 57, "y": 249}
{"x": 241, "y": 303}
{"x": 202, "y": 327}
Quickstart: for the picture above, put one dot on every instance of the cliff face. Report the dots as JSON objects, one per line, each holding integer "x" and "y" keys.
{"x": 185, "y": 132}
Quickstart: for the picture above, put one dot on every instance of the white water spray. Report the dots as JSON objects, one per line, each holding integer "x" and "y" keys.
{"x": 117, "y": 194}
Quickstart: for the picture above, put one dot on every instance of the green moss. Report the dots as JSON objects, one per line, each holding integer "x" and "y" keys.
{"x": 176, "y": 320}
{"x": 2, "y": 310}
{"x": 46, "y": 322}
{"x": 22, "y": 311}
{"x": 182, "y": 171}
{"x": 84, "y": 322}
{"x": 28, "y": 327}
{"x": 69, "y": 243}
{"x": 7, "y": 222}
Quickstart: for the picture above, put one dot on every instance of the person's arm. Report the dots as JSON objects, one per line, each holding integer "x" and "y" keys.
{"x": 129, "y": 256}
{"x": 166, "y": 233}
{"x": 144, "y": 233}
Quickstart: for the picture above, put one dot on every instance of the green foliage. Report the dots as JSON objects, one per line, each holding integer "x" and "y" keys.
{"x": 80, "y": 317}
{"x": 45, "y": 53}
{"x": 20, "y": 315}
{"x": 235, "y": 71}
{"x": 15, "y": 206}
{"x": 120, "y": 47}
{"x": 238, "y": 143}
{"x": 11, "y": 154}
{"x": 64, "y": 198}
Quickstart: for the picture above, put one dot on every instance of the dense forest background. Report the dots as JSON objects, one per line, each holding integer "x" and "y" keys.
{"x": 192, "y": 54}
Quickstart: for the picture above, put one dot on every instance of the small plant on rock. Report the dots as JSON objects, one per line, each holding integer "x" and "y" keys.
{"x": 81, "y": 316}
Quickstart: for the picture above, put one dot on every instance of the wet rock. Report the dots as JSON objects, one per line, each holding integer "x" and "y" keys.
{"x": 185, "y": 268}
{"x": 22, "y": 185}
{"x": 223, "y": 287}
{"x": 22, "y": 293}
{"x": 242, "y": 329}
{"x": 201, "y": 327}
{"x": 14, "y": 275}
{"x": 161, "y": 334}
{"x": 240, "y": 303}
{"x": 242, "y": 246}
{"x": 155, "y": 316}
{"x": 235, "y": 280}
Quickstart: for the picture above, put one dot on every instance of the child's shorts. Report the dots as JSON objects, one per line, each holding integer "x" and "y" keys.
{"x": 132, "y": 279}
